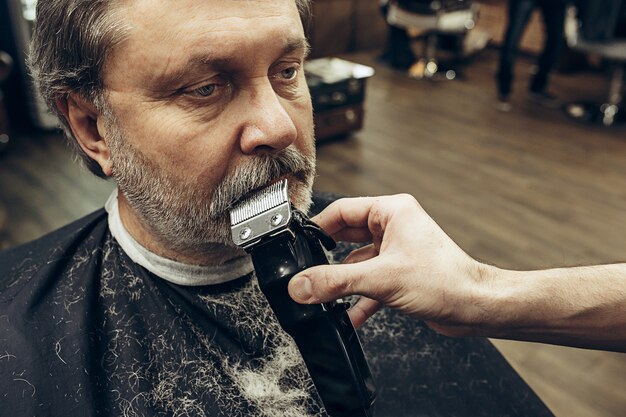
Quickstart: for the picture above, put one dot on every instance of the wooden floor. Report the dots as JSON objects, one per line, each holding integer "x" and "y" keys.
{"x": 526, "y": 189}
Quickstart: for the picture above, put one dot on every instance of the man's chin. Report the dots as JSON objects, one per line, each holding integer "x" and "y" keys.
{"x": 300, "y": 190}
{"x": 301, "y": 197}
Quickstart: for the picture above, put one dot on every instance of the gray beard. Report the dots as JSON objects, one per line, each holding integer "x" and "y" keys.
{"x": 188, "y": 218}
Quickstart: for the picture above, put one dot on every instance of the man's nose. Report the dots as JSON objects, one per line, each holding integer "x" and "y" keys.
{"x": 268, "y": 125}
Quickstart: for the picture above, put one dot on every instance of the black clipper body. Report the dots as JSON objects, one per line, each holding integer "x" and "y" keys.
{"x": 323, "y": 333}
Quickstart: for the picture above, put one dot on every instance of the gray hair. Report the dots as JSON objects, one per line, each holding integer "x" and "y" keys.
{"x": 71, "y": 41}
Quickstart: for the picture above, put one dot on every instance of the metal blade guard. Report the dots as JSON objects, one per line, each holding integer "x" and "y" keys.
{"x": 282, "y": 242}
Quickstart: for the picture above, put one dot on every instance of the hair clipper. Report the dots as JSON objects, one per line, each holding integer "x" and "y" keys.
{"x": 282, "y": 242}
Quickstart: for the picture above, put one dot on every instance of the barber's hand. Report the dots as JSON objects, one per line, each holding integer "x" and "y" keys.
{"x": 411, "y": 265}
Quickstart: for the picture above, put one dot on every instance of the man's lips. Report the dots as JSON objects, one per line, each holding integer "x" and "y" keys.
{"x": 291, "y": 177}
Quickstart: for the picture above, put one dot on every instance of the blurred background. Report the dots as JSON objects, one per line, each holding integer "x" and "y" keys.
{"x": 520, "y": 179}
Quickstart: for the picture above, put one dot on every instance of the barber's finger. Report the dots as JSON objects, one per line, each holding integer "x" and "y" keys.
{"x": 353, "y": 234}
{"x": 363, "y": 310}
{"x": 324, "y": 283}
{"x": 361, "y": 254}
{"x": 345, "y": 213}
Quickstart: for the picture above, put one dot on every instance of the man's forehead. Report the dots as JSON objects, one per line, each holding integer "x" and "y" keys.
{"x": 162, "y": 15}
{"x": 164, "y": 34}
{"x": 180, "y": 23}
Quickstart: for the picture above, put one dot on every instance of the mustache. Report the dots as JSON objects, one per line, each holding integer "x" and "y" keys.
{"x": 259, "y": 172}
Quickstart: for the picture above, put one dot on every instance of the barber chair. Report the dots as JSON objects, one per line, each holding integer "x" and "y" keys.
{"x": 435, "y": 18}
{"x": 614, "y": 52}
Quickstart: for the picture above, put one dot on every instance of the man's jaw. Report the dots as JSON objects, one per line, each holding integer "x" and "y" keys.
{"x": 206, "y": 254}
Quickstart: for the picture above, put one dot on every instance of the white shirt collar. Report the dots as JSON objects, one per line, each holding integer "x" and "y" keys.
{"x": 173, "y": 271}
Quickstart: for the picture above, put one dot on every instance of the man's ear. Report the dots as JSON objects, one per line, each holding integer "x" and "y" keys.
{"x": 87, "y": 125}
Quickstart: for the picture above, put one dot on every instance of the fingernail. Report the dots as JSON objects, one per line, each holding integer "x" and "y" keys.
{"x": 301, "y": 288}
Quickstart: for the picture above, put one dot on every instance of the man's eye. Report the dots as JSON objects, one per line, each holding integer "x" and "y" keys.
{"x": 289, "y": 73}
{"x": 205, "y": 90}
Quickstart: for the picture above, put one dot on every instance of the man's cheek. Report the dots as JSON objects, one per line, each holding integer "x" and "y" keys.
{"x": 301, "y": 113}
{"x": 181, "y": 138}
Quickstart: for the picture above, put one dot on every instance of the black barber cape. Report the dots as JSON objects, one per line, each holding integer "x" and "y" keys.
{"x": 84, "y": 331}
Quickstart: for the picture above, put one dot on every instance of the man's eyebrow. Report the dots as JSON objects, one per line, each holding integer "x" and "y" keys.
{"x": 168, "y": 80}
{"x": 291, "y": 45}
{"x": 296, "y": 44}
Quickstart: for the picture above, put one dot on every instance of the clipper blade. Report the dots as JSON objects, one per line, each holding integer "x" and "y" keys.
{"x": 264, "y": 212}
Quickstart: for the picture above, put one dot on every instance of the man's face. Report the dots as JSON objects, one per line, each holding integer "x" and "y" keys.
{"x": 210, "y": 102}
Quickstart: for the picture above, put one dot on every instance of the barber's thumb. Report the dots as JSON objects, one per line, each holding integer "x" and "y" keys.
{"x": 321, "y": 284}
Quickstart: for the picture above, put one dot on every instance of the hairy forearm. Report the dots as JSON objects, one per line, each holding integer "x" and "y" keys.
{"x": 581, "y": 306}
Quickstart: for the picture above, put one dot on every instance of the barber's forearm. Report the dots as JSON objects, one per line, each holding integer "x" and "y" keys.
{"x": 582, "y": 306}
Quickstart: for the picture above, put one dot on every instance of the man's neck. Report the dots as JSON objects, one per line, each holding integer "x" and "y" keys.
{"x": 210, "y": 254}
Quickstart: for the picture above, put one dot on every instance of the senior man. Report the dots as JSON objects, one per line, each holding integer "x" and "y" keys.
{"x": 147, "y": 309}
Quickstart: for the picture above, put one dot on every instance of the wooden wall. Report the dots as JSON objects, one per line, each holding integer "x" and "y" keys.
{"x": 341, "y": 26}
